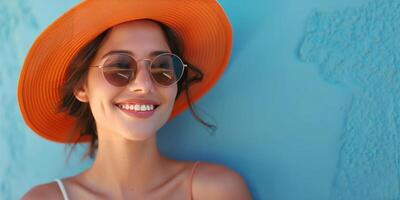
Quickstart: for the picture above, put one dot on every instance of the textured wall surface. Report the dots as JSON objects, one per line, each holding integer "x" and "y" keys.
{"x": 21, "y": 163}
{"x": 15, "y": 19}
{"x": 307, "y": 109}
{"x": 359, "y": 48}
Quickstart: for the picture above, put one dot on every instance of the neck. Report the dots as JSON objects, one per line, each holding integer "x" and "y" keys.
{"x": 124, "y": 166}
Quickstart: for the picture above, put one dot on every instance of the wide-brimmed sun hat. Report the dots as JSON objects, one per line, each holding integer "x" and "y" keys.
{"x": 202, "y": 26}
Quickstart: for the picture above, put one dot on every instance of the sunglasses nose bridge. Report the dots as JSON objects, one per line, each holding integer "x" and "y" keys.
{"x": 142, "y": 80}
{"x": 148, "y": 61}
{"x": 145, "y": 64}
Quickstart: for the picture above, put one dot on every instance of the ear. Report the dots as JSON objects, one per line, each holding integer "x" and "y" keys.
{"x": 81, "y": 94}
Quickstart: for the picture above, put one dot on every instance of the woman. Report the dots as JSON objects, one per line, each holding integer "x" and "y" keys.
{"x": 117, "y": 69}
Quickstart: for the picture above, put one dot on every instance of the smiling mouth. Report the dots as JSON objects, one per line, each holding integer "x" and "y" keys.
{"x": 138, "y": 111}
{"x": 137, "y": 107}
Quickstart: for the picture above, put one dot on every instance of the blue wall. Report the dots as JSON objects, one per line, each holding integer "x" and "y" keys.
{"x": 307, "y": 109}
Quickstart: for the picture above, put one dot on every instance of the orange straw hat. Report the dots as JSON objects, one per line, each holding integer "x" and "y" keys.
{"x": 202, "y": 26}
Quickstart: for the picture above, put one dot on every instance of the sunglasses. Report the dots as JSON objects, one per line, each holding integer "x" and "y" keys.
{"x": 119, "y": 69}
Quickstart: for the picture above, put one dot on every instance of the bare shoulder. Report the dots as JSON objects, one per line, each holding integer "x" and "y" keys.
{"x": 214, "y": 181}
{"x": 43, "y": 191}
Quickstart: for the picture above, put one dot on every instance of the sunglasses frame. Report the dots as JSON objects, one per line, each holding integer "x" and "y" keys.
{"x": 101, "y": 66}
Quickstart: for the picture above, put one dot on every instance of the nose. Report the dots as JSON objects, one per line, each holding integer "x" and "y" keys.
{"x": 142, "y": 82}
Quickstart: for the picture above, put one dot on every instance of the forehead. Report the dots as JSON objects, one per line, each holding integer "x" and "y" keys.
{"x": 139, "y": 36}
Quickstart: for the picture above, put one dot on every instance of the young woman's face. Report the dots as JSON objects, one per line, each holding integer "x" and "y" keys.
{"x": 109, "y": 103}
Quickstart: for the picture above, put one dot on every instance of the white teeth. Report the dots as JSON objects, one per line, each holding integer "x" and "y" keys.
{"x": 136, "y": 107}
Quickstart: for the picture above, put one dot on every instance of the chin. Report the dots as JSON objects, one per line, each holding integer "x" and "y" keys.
{"x": 139, "y": 135}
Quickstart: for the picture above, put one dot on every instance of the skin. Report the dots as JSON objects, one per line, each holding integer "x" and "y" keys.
{"x": 128, "y": 164}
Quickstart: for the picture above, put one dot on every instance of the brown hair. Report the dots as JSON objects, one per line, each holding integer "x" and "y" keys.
{"x": 76, "y": 75}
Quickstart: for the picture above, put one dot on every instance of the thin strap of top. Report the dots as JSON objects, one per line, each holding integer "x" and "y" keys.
{"x": 62, "y": 188}
{"x": 191, "y": 179}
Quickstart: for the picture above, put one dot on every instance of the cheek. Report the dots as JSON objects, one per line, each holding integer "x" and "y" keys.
{"x": 169, "y": 95}
{"x": 172, "y": 94}
{"x": 100, "y": 94}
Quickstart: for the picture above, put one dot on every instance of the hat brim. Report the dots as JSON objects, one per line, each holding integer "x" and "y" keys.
{"x": 202, "y": 26}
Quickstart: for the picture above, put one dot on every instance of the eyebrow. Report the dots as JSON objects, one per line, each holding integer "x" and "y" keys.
{"x": 152, "y": 54}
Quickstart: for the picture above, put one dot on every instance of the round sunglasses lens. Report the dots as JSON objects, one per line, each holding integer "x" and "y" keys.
{"x": 119, "y": 69}
{"x": 167, "y": 69}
